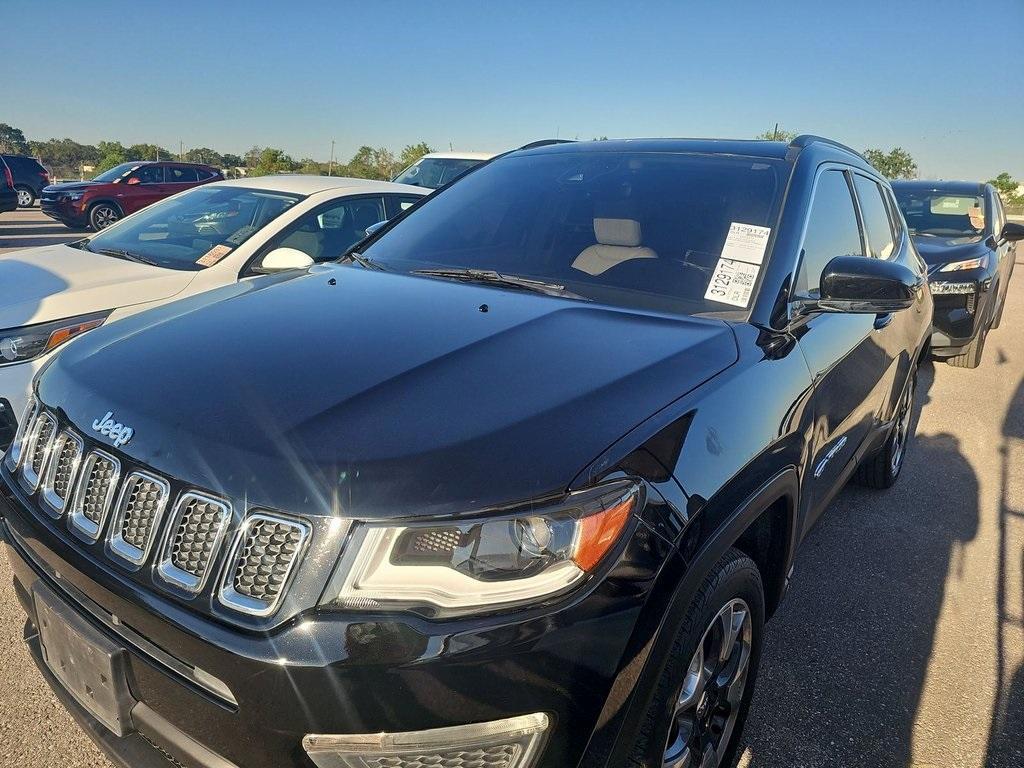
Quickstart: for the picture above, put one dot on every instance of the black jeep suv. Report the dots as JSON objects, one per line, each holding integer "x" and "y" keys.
{"x": 516, "y": 484}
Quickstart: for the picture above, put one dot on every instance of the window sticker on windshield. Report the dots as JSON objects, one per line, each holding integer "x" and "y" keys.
{"x": 746, "y": 242}
{"x": 239, "y": 236}
{"x": 732, "y": 282}
{"x": 213, "y": 255}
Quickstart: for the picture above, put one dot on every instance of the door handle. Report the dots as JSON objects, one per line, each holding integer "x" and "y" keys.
{"x": 882, "y": 320}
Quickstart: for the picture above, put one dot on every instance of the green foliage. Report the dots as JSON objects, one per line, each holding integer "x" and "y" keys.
{"x": 148, "y": 152}
{"x": 268, "y": 160}
{"x": 12, "y": 140}
{"x": 776, "y": 134}
{"x": 412, "y": 153}
{"x": 1007, "y": 188}
{"x": 370, "y": 163}
{"x": 897, "y": 164}
{"x": 111, "y": 153}
{"x": 64, "y": 157}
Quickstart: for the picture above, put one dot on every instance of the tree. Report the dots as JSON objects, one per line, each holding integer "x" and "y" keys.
{"x": 776, "y": 134}
{"x": 111, "y": 153}
{"x": 232, "y": 161}
{"x": 897, "y": 164}
{"x": 370, "y": 163}
{"x": 412, "y": 153}
{"x": 269, "y": 160}
{"x": 12, "y": 140}
{"x": 205, "y": 155}
{"x": 64, "y": 157}
{"x": 147, "y": 152}
{"x": 1007, "y": 187}
{"x": 311, "y": 167}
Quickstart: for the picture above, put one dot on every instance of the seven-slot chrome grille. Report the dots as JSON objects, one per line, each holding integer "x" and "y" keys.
{"x": 93, "y": 494}
{"x": 70, "y": 476}
{"x": 139, "y": 509}
{"x": 265, "y": 551}
{"x": 195, "y": 531}
{"x": 60, "y": 474}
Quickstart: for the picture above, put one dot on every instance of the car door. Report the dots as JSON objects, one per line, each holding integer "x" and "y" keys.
{"x": 143, "y": 186}
{"x": 850, "y": 356}
{"x": 1003, "y": 249}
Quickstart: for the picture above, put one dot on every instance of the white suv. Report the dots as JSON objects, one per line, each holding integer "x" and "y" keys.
{"x": 438, "y": 168}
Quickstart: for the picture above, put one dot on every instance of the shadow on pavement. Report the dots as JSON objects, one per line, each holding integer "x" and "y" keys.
{"x": 33, "y": 233}
{"x": 847, "y": 656}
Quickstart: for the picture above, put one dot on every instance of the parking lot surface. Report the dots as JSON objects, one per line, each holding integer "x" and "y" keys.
{"x": 901, "y": 642}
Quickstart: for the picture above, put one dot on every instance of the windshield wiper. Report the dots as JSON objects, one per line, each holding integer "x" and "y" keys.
{"x": 120, "y": 253}
{"x": 363, "y": 261}
{"x": 490, "y": 277}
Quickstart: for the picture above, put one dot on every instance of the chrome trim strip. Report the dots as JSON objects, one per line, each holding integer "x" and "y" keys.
{"x": 29, "y": 478}
{"x": 54, "y": 502}
{"x": 15, "y": 451}
{"x": 79, "y": 524}
{"x": 229, "y": 596}
{"x": 115, "y": 538}
{"x": 170, "y": 572}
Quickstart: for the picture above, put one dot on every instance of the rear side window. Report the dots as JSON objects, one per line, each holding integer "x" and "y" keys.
{"x": 832, "y": 230}
{"x": 178, "y": 175}
{"x": 877, "y": 224}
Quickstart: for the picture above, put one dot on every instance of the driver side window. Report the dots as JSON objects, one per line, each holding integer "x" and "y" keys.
{"x": 326, "y": 233}
{"x": 148, "y": 174}
{"x": 832, "y": 230}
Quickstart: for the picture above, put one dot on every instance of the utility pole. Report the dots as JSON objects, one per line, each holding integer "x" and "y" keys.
{"x": 330, "y": 165}
{"x": 775, "y": 133}
{"x": 181, "y": 150}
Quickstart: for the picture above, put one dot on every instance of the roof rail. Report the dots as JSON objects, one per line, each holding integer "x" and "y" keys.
{"x": 545, "y": 143}
{"x": 802, "y": 141}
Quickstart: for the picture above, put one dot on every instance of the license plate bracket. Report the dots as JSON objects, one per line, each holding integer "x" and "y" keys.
{"x": 89, "y": 666}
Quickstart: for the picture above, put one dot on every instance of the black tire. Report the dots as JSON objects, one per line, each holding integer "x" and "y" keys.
{"x": 971, "y": 356}
{"x": 102, "y": 215}
{"x": 734, "y": 579}
{"x": 881, "y": 469}
{"x": 26, "y": 197}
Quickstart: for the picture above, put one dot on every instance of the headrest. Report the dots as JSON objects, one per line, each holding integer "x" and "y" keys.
{"x": 617, "y": 232}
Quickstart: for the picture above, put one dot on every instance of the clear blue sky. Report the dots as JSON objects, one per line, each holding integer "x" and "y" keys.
{"x": 945, "y": 80}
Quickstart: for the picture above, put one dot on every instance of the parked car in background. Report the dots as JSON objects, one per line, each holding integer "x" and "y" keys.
{"x": 8, "y": 194}
{"x": 961, "y": 231}
{"x": 30, "y": 177}
{"x": 203, "y": 238}
{"x": 436, "y": 169}
{"x": 122, "y": 190}
{"x": 518, "y": 486}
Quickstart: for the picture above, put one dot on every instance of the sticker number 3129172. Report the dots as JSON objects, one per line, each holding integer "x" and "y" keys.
{"x": 732, "y": 282}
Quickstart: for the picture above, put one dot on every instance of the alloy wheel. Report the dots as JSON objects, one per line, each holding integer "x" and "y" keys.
{"x": 24, "y": 198}
{"x": 708, "y": 704}
{"x": 104, "y": 216}
{"x": 902, "y": 430}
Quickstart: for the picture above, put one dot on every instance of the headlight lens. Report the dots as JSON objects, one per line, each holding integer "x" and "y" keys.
{"x": 960, "y": 266}
{"x": 73, "y": 195}
{"x": 466, "y": 566}
{"x": 19, "y": 345}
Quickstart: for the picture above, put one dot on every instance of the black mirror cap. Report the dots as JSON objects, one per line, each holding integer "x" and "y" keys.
{"x": 862, "y": 285}
{"x": 1012, "y": 232}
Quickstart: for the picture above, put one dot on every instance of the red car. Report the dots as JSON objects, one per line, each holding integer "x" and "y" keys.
{"x": 120, "y": 191}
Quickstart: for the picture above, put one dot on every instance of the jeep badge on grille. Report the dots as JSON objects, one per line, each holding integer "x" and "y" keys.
{"x": 115, "y": 430}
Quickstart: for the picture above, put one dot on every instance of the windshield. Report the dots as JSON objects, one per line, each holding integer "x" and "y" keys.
{"x": 116, "y": 172}
{"x": 633, "y": 229}
{"x": 194, "y": 229}
{"x": 936, "y": 213}
{"x": 434, "y": 172}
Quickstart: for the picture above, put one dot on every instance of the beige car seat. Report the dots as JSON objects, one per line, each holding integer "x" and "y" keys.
{"x": 618, "y": 241}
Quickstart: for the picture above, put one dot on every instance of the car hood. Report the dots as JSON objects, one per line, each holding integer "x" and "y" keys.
{"x": 57, "y": 281}
{"x": 72, "y": 186}
{"x": 944, "y": 250}
{"x": 348, "y": 391}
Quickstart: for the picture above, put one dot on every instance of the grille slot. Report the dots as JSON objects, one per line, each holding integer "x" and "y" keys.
{"x": 60, "y": 474}
{"x": 263, "y": 557}
{"x": 93, "y": 494}
{"x": 16, "y": 449}
{"x": 37, "y": 449}
{"x": 193, "y": 536}
{"x": 139, "y": 508}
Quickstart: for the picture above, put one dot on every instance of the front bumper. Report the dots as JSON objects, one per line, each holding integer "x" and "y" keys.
{"x": 961, "y": 309}
{"x": 331, "y": 673}
{"x": 66, "y": 211}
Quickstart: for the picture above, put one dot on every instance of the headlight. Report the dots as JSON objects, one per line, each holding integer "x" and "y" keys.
{"x": 19, "y": 345}
{"x": 73, "y": 195}
{"x": 960, "y": 266}
{"x": 466, "y": 566}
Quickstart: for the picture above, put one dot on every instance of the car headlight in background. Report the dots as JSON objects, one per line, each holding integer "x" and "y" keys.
{"x": 19, "y": 345}
{"x": 959, "y": 266}
{"x": 466, "y": 566}
{"x": 73, "y": 195}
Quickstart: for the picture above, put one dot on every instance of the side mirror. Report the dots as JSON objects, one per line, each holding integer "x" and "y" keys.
{"x": 133, "y": 180}
{"x": 280, "y": 259}
{"x": 862, "y": 285}
{"x": 375, "y": 227}
{"x": 1012, "y": 232}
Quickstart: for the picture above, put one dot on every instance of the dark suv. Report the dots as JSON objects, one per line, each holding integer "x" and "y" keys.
{"x": 30, "y": 177}
{"x": 122, "y": 190}
{"x": 8, "y": 194}
{"x": 515, "y": 485}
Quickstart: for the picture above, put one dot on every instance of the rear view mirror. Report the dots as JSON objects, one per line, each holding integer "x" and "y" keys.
{"x": 281, "y": 259}
{"x": 862, "y": 285}
{"x": 375, "y": 227}
{"x": 1012, "y": 232}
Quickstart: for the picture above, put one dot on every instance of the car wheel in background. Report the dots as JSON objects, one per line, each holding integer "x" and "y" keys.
{"x": 971, "y": 356}
{"x": 881, "y": 469}
{"x": 26, "y": 197}
{"x": 102, "y": 215}
{"x": 698, "y": 710}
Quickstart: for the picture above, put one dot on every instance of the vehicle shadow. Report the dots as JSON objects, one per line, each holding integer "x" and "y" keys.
{"x": 1005, "y": 745}
{"x": 847, "y": 655}
{"x": 32, "y": 234}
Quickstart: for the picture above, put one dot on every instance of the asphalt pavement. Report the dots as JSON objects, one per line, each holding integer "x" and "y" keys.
{"x": 901, "y": 642}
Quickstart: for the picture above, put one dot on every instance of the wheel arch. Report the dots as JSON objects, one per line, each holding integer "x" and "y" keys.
{"x": 93, "y": 203}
